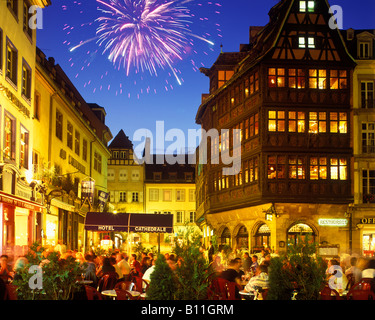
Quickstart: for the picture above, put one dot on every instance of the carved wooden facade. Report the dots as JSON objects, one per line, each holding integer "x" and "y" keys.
{"x": 290, "y": 94}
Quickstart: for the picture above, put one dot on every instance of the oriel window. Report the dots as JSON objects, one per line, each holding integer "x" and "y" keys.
{"x": 317, "y": 79}
{"x": 338, "y": 79}
{"x": 317, "y": 122}
{"x": 224, "y": 76}
{"x": 338, "y": 122}
{"x": 339, "y": 169}
{"x": 296, "y": 78}
{"x": 276, "y": 121}
{"x": 297, "y": 168}
{"x": 276, "y": 77}
{"x": 318, "y": 168}
{"x": 296, "y": 121}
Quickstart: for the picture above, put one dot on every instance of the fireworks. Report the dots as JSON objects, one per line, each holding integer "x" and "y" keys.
{"x": 144, "y": 35}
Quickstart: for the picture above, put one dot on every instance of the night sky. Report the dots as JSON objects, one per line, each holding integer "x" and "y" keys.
{"x": 130, "y": 101}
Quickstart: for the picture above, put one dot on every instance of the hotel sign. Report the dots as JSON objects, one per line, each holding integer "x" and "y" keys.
{"x": 333, "y": 222}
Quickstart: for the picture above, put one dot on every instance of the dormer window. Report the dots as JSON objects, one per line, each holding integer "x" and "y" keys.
{"x": 364, "y": 50}
{"x": 307, "y": 6}
{"x": 306, "y": 42}
{"x": 224, "y": 76}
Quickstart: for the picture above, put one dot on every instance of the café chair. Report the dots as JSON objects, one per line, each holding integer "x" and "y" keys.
{"x": 228, "y": 289}
{"x": 92, "y": 293}
{"x": 361, "y": 290}
{"x": 124, "y": 285}
{"x": 107, "y": 281}
{"x": 124, "y": 295}
{"x": 11, "y": 292}
{"x": 329, "y": 294}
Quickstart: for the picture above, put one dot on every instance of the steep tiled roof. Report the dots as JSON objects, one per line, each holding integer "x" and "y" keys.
{"x": 121, "y": 141}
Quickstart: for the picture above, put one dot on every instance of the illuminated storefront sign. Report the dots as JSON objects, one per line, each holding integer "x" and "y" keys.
{"x": 368, "y": 221}
{"x": 333, "y": 222}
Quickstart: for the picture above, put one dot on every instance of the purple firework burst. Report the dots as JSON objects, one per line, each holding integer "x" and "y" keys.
{"x": 144, "y": 34}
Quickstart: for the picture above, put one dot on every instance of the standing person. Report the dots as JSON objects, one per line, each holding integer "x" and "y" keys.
{"x": 135, "y": 266}
{"x": 211, "y": 251}
{"x": 145, "y": 264}
{"x": 124, "y": 266}
{"x": 369, "y": 271}
{"x": 5, "y": 270}
{"x": 246, "y": 262}
{"x": 91, "y": 270}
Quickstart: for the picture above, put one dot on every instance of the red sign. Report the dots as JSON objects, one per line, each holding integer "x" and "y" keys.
{"x": 17, "y": 202}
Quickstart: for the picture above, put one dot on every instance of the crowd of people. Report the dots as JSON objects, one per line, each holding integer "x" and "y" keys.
{"x": 248, "y": 270}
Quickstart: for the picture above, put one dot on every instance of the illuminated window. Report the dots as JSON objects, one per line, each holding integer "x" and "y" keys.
{"x": 11, "y": 62}
{"x": 339, "y": 169}
{"x": 224, "y": 76}
{"x": 306, "y": 42}
{"x": 276, "y": 167}
{"x": 26, "y": 81}
{"x": 307, "y": 6}
{"x": 9, "y": 137}
{"x": 296, "y": 78}
{"x": 318, "y": 168}
{"x": 296, "y": 121}
{"x": 297, "y": 168}
{"x": 317, "y": 122}
{"x": 250, "y": 170}
{"x": 338, "y": 79}
{"x": 317, "y": 79}
{"x": 276, "y": 77}
{"x": 253, "y": 125}
{"x": 276, "y": 121}
{"x": 24, "y": 148}
{"x": 338, "y": 122}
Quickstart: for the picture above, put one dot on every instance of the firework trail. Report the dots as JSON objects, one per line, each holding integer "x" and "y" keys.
{"x": 144, "y": 34}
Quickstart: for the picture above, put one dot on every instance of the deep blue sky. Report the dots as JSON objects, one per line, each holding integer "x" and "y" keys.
{"x": 176, "y": 107}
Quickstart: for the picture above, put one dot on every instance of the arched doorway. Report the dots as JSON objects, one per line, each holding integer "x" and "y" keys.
{"x": 225, "y": 237}
{"x": 242, "y": 238}
{"x": 262, "y": 237}
{"x": 300, "y": 230}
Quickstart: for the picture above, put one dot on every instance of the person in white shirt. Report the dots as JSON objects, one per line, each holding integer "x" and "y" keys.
{"x": 369, "y": 271}
{"x": 147, "y": 274}
{"x": 123, "y": 266}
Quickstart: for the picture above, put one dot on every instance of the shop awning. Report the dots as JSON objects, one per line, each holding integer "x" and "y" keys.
{"x": 132, "y": 222}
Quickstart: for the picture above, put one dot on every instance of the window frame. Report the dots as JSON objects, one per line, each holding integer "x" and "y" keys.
{"x": 11, "y": 72}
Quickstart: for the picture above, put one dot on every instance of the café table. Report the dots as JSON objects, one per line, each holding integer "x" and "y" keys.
{"x": 113, "y": 294}
{"x": 246, "y": 295}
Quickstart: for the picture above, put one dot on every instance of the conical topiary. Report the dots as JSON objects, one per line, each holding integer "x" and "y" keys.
{"x": 162, "y": 284}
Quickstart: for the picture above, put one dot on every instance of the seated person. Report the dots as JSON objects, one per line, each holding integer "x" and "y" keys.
{"x": 259, "y": 280}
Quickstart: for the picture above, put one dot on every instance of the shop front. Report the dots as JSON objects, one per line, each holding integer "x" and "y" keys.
{"x": 367, "y": 236}
{"x": 18, "y": 224}
{"x": 132, "y": 223}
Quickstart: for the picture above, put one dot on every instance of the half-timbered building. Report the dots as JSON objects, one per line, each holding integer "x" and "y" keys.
{"x": 289, "y": 92}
